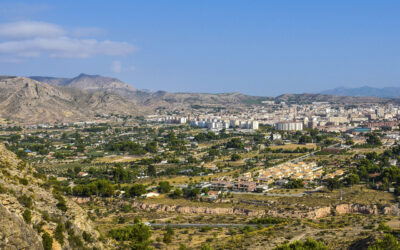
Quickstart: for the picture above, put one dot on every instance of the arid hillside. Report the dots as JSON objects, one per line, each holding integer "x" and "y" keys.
{"x": 31, "y": 206}
{"x": 29, "y": 101}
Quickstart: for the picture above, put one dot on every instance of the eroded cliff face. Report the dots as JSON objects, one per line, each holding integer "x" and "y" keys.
{"x": 310, "y": 213}
{"x": 22, "y": 189}
{"x": 365, "y": 209}
{"x": 356, "y": 208}
{"x": 15, "y": 233}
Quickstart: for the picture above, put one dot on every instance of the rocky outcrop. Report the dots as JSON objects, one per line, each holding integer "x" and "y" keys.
{"x": 310, "y": 213}
{"x": 15, "y": 233}
{"x": 356, "y": 208}
{"x": 197, "y": 210}
{"x": 314, "y": 213}
{"x": 391, "y": 210}
{"x": 21, "y": 188}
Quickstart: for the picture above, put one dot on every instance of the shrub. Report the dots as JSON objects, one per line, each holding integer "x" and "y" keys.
{"x": 26, "y": 201}
{"x": 75, "y": 241}
{"x": 27, "y": 215}
{"x": 23, "y": 181}
{"x": 309, "y": 244}
{"x": 388, "y": 242}
{"x": 87, "y": 237}
{"x": 47, "y": 241}
{"x": 59, "y": 233}
{"x": 2, "y": 189}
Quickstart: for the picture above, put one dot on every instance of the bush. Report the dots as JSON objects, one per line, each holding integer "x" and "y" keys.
{"x": 136, "y": 190}
{"x": 27, "y": 215}
{"x": 267, "y": 220}
{"x": 2, "y": 189}
{"x": 87, "y": 237}
{"x": 26, "y": 201}
{"x": 309, "y": 244}
{"x": 388, "y": 242}
{"x": 23, "y": 181}
{"x": 75, "y": 241}
{"x": 59, "y": 233}
{"x": 383, "y": 227}
{"x": 163, "y": 187}
{"x": 47, "y": 241}
{"x": 235, "y": 157}
{"x": 62, "y": 205}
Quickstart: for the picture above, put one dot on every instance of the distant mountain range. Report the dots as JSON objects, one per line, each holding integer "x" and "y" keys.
{"x": 40, "y": 99}
{"x": 90, "y": 83}
{"x": 386, "y": 92}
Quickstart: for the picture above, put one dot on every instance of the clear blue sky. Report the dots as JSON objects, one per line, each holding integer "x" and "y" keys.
{"x": 254, "y": 47}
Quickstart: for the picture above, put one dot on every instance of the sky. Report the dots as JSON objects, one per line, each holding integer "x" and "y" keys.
{"x": 262, "y": 48}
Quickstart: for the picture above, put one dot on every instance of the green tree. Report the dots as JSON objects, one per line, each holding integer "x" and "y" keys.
{"x": 309, "y": 244}
{"x": 353, "y": 179}
{"x": 151, "y": 170}
{"x": 305, "y": 139}
{"x": 206, "y": 247}
{"x": 235, "y": 157}
{"x": 138, "y": 234}
{"x": 349, "y": 142}
{"x": 333, "y": 183}
{"x": 373, "y": 139}
{"x": 176, "y": 193}
{"x": 168, "y": 235}
{"x": 136, "y": 190}
{"x": 297, "y": 183}
{"x": 388, "y": 242}
{"x": 163, "y": 187}
{"x": 151, "y": 147}
{"x": 235, "y": 143}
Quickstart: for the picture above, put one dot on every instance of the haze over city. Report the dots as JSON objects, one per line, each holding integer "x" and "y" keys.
{"x": 263, "y": 48}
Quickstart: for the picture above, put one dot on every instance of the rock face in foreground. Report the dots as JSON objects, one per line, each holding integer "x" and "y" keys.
{"x": 15, "y": 233}
{"x": 23, "y": 190}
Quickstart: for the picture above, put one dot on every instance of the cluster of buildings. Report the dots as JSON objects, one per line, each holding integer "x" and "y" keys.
{"x": 229, "y": 184}
{"x": 301, "y": 170}
{"x": 218, "y": 124}
{"x": 334, "y": 117}
{"x": 171, "y": 119}
{"x": 261, "y": 180}
{"x": 208, "y": 121}
{"x": 324, "y": 116}
{"x": 289, "y": 126}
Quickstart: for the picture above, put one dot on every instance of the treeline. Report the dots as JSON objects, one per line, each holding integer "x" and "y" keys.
{"x": 138, "y": 235}
{"x": 96, "y": 129}
{"x": 202, "y": 137}
{"x": 281, "y": 150}
{"x": 372, "y": 141}
{"x": 131, "y": 147}
{"x": 375, "y": 168}
{"x": 102, "y": 188}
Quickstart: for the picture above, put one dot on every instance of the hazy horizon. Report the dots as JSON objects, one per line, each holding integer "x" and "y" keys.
{"x": 257, "y": 48}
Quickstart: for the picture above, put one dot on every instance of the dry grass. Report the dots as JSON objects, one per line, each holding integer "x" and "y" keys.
{"x": 118, "y": 158}
{"x": 294, "y": 146}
